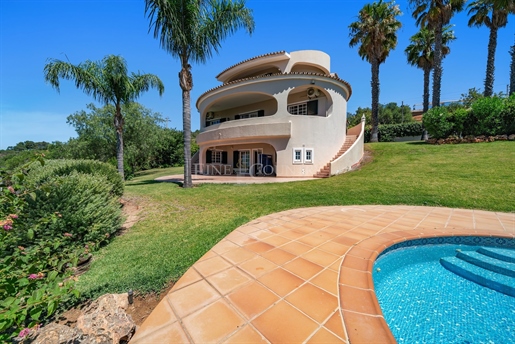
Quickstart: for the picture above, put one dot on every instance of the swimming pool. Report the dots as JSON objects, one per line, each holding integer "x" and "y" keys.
{"x": 423, "y": 302}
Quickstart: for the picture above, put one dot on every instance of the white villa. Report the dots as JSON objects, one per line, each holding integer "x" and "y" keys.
{"x": 280, "y": 114}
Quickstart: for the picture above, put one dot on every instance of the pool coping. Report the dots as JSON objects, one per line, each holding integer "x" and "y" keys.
{"x": 369, "y": 250}
{"x": 328, "y": 251}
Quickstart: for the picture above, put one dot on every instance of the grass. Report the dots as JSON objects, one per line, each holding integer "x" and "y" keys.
{"x": 180, "y": 225}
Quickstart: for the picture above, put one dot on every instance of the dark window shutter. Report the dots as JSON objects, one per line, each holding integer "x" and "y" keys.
{"x": 313, "y": 107}
{"x": 235, "y": 158}
{"x": 208, "y": 123}
{"x": 224, "y": 157}
{"x": 237, "y": 117}
{"x": 208, "y": 157}
{"x": 223, "y": 120}
{"x": 261, "y": 113}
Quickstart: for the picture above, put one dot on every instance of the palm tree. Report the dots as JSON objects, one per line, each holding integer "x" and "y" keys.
{"x": 376, "y": 33}
{"x": 108, "y": 82}
{"x": 512, "y": 70}
{"x": 435, "y": 14}
{"x": 493, "y": 15}
{"x": 420, "y": 53}
{"x": 191, "y": 30}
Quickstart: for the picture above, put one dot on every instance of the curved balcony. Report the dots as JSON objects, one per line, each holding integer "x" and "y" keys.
{"x": 250, "y": 129}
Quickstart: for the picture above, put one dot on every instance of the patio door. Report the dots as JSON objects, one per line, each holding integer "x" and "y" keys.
{"x": 255, "y": 167}
{"x": 244, "y": 161}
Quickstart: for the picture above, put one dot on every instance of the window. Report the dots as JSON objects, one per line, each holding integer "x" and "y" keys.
{"x": 308, "y": 155}
{"x": 252, "y": 114}
{"x": 309, "y": 108}
{"x": 297, "y": 155}
{"x": 216, "y": 157}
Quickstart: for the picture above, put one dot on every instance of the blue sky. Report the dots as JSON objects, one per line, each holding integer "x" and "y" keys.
{"x": 78, "y": 30}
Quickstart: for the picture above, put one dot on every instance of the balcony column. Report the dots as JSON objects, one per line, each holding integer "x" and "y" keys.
{"x": 282, "y": 101}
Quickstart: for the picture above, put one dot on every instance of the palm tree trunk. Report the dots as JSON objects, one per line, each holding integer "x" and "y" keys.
{"x": 374, "y": 137}
{"x": 490, "y": 62}
{"x": 427, "y": 75}
{"x": 425, "y": 106}
{"x": 118, "y": 124}
{"x": 437, "y": 68}
{"x": 186, "y": 83}
{"x": 512, "y": 70}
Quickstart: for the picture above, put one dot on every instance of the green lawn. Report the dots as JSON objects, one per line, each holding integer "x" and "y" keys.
{"x": 179, "y": 225}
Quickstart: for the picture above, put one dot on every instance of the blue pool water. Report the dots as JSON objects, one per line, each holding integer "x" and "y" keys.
{"x": 423, "y": 302}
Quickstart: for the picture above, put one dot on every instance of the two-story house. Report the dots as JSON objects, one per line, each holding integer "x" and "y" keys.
{"x": 281, "y": 114}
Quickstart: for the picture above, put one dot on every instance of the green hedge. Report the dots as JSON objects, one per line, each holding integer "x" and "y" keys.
{"x": 53, "y": 168}
{"x": 489, "y": 116}
{"x": 388, "y": 132}
{"x": 86, "y": 207}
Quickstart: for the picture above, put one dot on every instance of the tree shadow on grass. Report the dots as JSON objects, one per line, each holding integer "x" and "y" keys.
{"x": 149, "y": 182}
{"x": 417, "y": 143}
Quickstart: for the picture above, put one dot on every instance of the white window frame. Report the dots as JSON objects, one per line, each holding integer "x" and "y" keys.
{"x": 301, "y": 154}
{"x": 216, "y": 156}
{"x": 311, "y": 152}
{"x": 299, "y": 108}
{"x": 250, "y": 114}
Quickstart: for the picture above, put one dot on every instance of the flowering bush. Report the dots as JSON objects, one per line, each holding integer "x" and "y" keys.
{"x": 46, "y": 228}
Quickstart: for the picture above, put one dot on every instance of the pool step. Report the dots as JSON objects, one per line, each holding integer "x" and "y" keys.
{"x": 498, "y": 253}
{"x": 487, "y": 262}
{"x": 490, "y": 267}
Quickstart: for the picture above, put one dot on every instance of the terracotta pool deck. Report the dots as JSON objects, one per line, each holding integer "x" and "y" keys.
{"x": 302, "y": 276}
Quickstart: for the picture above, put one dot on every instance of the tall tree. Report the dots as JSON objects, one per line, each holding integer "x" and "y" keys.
{"x": 376, "y": 34}
{"x": 107, "y": 81}
{"x": 420, "y": 53}
{"x": 512, "y": 70}
{"x": 191, "y": 30}
{"x": 435, "y": 14}
{"x": 494, "y": 15}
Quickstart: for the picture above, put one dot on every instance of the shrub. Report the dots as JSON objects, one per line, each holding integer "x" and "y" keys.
{"x": 48, "y": 223}
{"x": 88, "y": 211}
{"x": 52, "y": 168}
{"x": 508, "y": 115}
{"x": 388, "y": 132}
{"x": 438, "y": 122}
{"x": 33, "y": 274}
{"x": 485, "y": 118}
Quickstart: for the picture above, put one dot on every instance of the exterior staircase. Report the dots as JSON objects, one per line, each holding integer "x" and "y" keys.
{"x": 194, "y": 160}
{"x": 325, "y": 172}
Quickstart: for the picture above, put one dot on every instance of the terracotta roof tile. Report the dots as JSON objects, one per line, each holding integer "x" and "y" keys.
{"x": 334, "y": 77}
{"x": 252, "y": 58}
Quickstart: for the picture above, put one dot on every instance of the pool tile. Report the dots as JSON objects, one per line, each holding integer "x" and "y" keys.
{"x": 276, "y": 240}
{"x": 303, "y": 268}
{"x": 292, "y": 234}
{"x": 191, "y": 276}
{"x": 334, "y": 248}
{"x": 192, "y": 297}
{"x": 358, "y": 300}
{"x": 355, "y": 263}
{"x": 238, "y": 255}
{"x": 315, "y": 302}
{"x": 335, "y": 325}
{"x": 228, "y": 280}
{"x": 281, "y": 281}
{"x": 278, "y": 256}
{"x": 246, "y": 334}
{"x": 257, "y": 266}
{"x": 323, "y": 336}
{"x": 320, "y": 257}
{"x": 259, "y": 247}
{"x": 354, "y": 278}
{"x": 315, "y": 239}
{"x": 252, "y": 299}
{"x": 363, "y": 328}
{"x": 162, "y": 315}
{"x": 224, "y": 246}
{"x": 296, "y": 248}
{"x": 327, "y": 280}
{"x": 213, "y": 323}
{"x": 284, "y": 324}
{"x": 212, "y": 266}
{"x": 170, "y": 334}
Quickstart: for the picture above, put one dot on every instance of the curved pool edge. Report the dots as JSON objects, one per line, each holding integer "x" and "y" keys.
{"x": 237, "y": 292}
{"x": 363, "y": 318}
